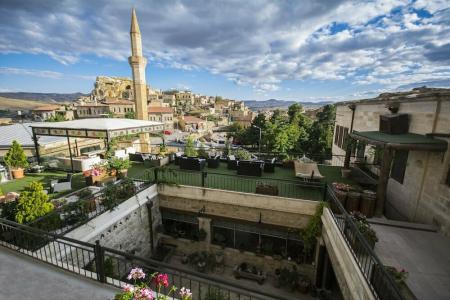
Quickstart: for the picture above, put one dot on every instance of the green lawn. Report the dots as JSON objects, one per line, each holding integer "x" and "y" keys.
{"x": 222, "y": 178}
{"x": 18, "y": 185}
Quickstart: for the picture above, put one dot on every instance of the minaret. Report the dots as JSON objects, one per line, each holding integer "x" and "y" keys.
{"x": 138, "y": 63}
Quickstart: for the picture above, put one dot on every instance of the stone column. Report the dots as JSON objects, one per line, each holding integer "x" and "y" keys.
{"x": 388, "y": 155}
{"x": 205, "y": 224}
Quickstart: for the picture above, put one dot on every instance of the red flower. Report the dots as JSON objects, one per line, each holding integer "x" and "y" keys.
{"x": 162, "y": 280}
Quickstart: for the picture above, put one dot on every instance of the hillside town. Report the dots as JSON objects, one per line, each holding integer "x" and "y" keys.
{"x": 132, "y": 192}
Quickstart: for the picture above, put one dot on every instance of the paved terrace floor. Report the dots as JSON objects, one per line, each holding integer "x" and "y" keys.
{"x": 22, "y": 277}
{"x": 424, "y": 254}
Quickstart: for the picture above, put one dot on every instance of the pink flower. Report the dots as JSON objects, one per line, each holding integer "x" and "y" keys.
{"x": 185, "y": 293}
{"x": 136, "y": 273}
{"x": 127, "y": 288}
{"x": 143, "y": 294}
{"x": 162, "y": 280}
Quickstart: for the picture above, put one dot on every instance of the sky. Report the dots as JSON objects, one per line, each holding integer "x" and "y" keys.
{"x": 309, "y": 50}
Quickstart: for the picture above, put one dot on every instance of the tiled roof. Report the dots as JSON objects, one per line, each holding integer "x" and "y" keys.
{"x": 192, "y": 119}
{"x": 47, "y": 108}
{"x": 158, "y": 110}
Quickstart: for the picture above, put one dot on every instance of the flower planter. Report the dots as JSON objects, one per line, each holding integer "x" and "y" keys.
{"x": 368, "y": 200}
{"x": 345, "y": 173}
{"x": 353, "y": 199}
{"x": 342, "y": 197}
{"x": 17, "y": 173}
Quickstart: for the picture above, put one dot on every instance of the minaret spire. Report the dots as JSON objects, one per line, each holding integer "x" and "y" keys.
{"x": 138, "y": 62}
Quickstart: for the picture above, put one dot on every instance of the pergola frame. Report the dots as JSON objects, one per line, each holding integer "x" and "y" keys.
{"x": 389, "y": 144}
{"x": 93, "y": 129}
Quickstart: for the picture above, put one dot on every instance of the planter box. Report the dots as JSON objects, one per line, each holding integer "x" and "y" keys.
{"x": 156, "y": 162}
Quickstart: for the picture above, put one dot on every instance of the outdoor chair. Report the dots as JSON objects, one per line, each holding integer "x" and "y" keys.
{"x": 136, "y": 157}
{"x": 307, "y": 171}
{"x": 178, "y": 157}
{"x": 232, "y": 163}
{"x": 192, "y": 163}
{"x": 214, "y": 162}
{"x": 250, "y": 167}
{"x": 269, "y": 165}
{"x": 61, "y": 185}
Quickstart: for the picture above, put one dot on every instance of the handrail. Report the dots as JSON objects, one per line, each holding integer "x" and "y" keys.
{"x": 96, "y": 252}
{"x": 365, "y": 269}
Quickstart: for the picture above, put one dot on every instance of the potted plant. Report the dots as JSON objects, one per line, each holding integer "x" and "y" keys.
{"x": 120, "y": 166}
{"x": 365, "y": 229}
{"x": 16, "y": 160}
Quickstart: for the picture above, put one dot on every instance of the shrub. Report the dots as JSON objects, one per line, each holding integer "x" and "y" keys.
{"x": 33, "y": 203}
{"x": 15, "y": 157}
{"x": 189, "y": 149}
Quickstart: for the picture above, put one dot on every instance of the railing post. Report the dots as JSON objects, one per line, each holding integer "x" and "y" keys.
{"x": 155, "y": 171}
{"x": 203, "y": 178}
{"x": 99, "y": 262}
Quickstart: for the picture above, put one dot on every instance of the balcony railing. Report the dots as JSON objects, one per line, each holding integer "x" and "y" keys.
{"x": 381, "y": 283}
{"x": 245, "y": 184}
{"x": 111, "y": 266}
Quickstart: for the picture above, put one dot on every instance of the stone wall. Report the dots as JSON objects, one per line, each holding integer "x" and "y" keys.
{"x": 126, "y": 228}
{"x": 273, "y": 210}
{"x": 423, "y": 196}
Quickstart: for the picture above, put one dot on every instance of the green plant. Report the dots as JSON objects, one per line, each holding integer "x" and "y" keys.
{"x": 33, "y": 203}
{"x": 313, "y": 229}
{"x": 84, "y": 193}
{"x": 242, "y": 154}
{"x": 189, "y": 150}
{"x": 202, "y": 151}
{"x": 109, "y": 267}
{"x": 15, "y": 157}
{"x": 364, "y": 227}
{"x": 399, "y": 275}
{"x": 118, "y": 164}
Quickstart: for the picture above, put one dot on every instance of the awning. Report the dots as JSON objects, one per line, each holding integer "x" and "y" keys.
{"x": 406, "y": 141}
{"x": 96, "y": 128}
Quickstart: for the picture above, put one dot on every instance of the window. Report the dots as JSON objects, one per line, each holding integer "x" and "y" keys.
{"x": 399, "y": 165}
{"x": 340, "y": 136}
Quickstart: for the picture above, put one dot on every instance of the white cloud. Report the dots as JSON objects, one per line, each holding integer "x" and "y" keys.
{"x": 30, "y": 72}
{"x": 255, "y": 43}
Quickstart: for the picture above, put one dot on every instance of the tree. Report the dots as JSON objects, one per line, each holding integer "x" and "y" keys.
{"x": 15, "y": 157}
{"x": 33, "y": 203}
{"x": 189, "y": 150}
{"x": 130, "y": 115}
{"x": 321, "y": 133}
{"x": 56, "y": 118}
{"x": 295, "y": 111}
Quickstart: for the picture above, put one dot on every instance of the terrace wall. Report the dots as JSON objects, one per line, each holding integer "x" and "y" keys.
{"x": 273, "y": 210}
{"x": 125, "y": 228}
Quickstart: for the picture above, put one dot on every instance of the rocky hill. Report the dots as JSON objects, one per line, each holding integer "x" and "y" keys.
{"x": 43, "y": 97}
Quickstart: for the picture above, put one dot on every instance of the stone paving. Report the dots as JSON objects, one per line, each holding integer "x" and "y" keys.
{"x": 22, "y": 277}
{"x": 424, "y": 254}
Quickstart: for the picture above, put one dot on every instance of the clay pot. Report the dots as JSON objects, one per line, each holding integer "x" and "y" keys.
{"x": 17, "y": 173}
{"x": 353, "y": 199}
{"x": 368, "y": 200}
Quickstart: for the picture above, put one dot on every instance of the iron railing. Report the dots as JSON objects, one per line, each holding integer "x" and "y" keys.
{"x": 381, "y": 283}
{"x": 112, "y": 266}
{"x": 69, "y": 216}
{"x": 270, "y": 186}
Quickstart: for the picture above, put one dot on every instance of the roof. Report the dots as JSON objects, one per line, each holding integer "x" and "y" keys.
{"x": 192, "y": 119}
{"x": 159, "y": 110}
{"x": 406, "y": 141}
{"x": 415, "y": 95}
{"x": 23, "y": 135}
{"x": 47, "y": 108}
{"x": 97, "y": 127}
{"x": 109, "y": 101}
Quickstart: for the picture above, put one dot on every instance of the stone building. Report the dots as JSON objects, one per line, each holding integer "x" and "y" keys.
{"x": 416, "y": 163}
{"x": 95, "y": 110}
{"x": 45, "y": 112}
{"x": 119, "y": 107}
{"x": 161, "y": 114}
{"x": 113, "y": 87}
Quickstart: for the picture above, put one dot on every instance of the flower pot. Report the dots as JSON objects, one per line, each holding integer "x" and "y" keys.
{"x": 17, "y": 173}
{"x": 123, "y": 173}
{"x": 342, "y": 197}
{"x": 345, "y": 173}
{"x": 368, "y": 200}
{"x": 352, "y": 203}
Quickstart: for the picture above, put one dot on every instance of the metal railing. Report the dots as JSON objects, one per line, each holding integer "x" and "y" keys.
{"x": 247, "y": 184}
{"x": 380, "y": 282}
{"x": 69, "y": 216}
{"x": 111, "y": 266}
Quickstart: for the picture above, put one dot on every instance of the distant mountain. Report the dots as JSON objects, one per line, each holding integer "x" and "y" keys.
{"x": 44, "y": 97}
{"x": 274, "y": 103}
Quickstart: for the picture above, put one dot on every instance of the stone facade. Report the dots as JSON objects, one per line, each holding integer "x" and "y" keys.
{"x": 112, "y": 87}
{"x": 423, "y": 196}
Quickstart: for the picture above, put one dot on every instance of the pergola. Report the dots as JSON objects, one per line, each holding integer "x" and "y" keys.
{"x": 97, "y": 128}
{"x": 389, "y": 143}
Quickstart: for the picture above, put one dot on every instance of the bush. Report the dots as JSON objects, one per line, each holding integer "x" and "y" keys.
{"x": 33, "y": 203}
{"x": 15, "y": 157}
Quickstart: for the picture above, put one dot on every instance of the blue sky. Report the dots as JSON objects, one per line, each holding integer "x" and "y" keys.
{"x": 294, "y": 50}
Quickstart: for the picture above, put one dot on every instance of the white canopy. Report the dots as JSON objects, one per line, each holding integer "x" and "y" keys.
{"x": 96, "y": 128}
